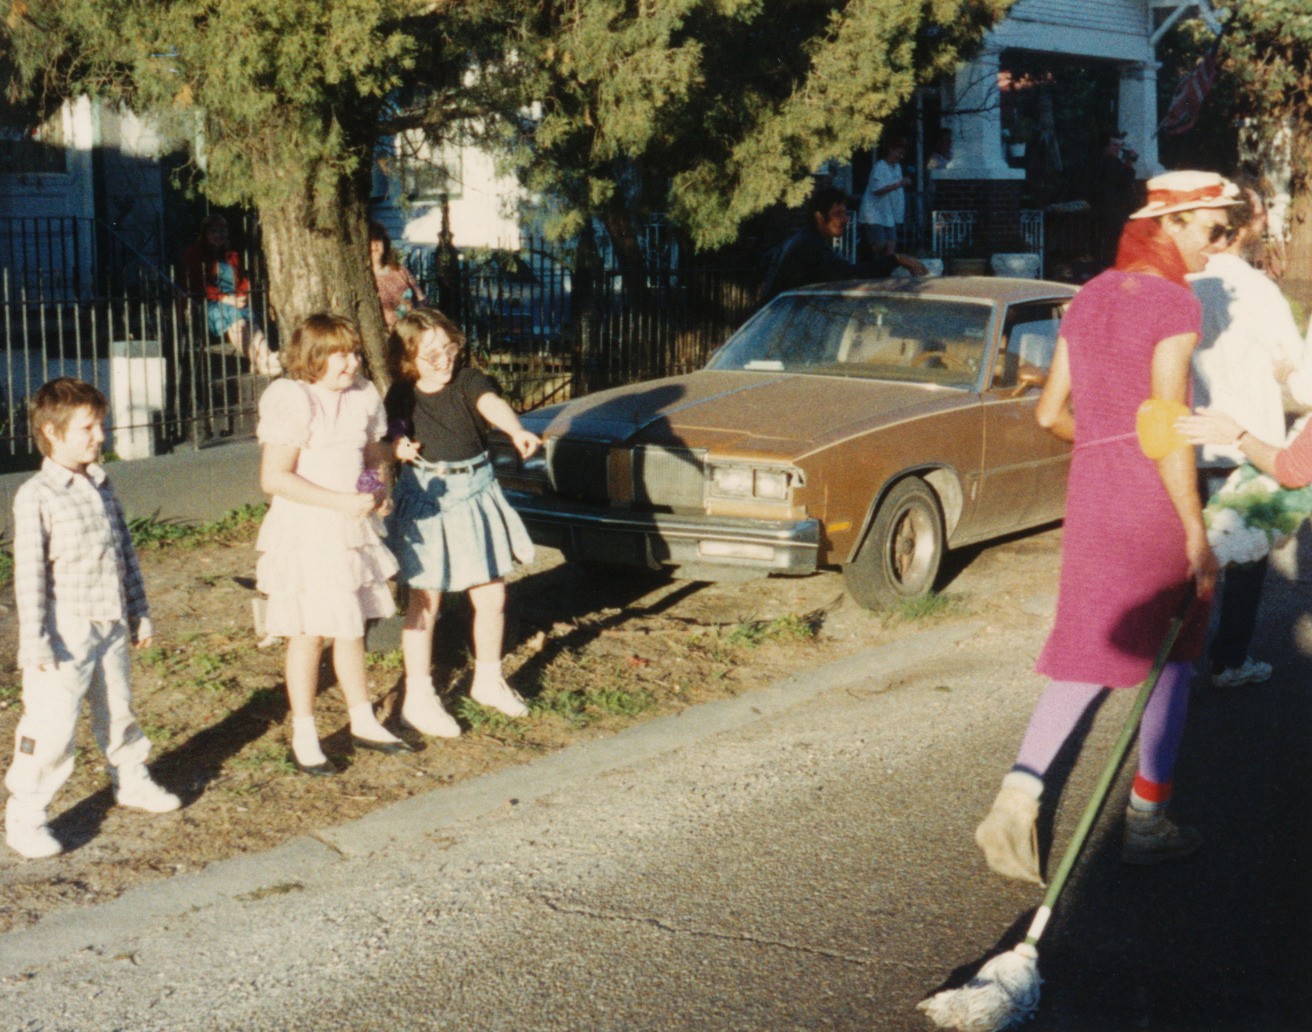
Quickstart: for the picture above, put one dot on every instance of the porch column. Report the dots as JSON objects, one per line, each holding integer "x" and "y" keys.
{"x": 1137, "y": 104}
{"x": 972, "y": 104}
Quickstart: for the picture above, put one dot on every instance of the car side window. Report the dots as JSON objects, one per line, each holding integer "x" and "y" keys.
{"x": 1031, "y": 338}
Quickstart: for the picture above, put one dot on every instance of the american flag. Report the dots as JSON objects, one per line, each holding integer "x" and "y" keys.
{"x": 1188, "y": 98}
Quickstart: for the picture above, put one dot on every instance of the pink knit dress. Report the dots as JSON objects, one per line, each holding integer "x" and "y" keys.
{"x": 1124, "y": 571}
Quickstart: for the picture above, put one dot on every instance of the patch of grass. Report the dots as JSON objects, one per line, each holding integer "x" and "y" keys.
{"x": 927, "y": 607}
{"x": 153, "y": 656}
{"x": 581, "y": 707}
{"x": 487, "y": 721}
{"x": 270, "y": 759}
{"x": 159, "y": 734}
{"x": 10, "y": 692}
{"x": 624, "y": 702}
{"x": 384, "y": 662}
{"x": 155, "y": 531}
{"x": 6, "y": 565}
{"x": 751, "y": 633}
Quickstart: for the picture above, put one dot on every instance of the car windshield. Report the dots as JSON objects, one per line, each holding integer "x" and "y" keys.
{"x": 884, "y": 337}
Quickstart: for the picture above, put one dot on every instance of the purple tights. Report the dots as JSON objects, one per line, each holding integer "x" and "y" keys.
{"x": 1063, "y": 703}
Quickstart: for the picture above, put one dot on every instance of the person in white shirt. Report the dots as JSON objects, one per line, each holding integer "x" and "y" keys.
{"x": 883, "y": 205}
{"x": 1249, "y": 348}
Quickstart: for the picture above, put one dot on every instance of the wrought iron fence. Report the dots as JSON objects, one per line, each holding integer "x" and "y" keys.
{"x": 75, "y": 300}
{"x": 549, "y": 330}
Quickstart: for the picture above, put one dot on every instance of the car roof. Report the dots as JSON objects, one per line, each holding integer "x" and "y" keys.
{"x": 1003, "y": 289}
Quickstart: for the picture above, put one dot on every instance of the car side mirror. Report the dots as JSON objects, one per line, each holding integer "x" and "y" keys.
{"x": 1029, "y": 377}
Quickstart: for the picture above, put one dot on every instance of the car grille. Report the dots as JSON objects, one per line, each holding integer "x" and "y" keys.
{"x": 578, "y": 469}
{"x": 669, "y": 478}
{"x": 663, "y": 478}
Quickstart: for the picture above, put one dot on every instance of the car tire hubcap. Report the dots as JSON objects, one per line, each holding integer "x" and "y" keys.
{"x": 912, "y": 545}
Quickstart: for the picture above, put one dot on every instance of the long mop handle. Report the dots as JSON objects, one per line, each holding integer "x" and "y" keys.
{"x": 1109, "y": 772}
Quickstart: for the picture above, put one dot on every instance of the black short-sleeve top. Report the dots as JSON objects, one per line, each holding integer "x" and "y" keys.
{"x": 447, "y": 423}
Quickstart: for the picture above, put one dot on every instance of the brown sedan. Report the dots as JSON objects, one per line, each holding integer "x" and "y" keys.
{"x": 862, "y": 425}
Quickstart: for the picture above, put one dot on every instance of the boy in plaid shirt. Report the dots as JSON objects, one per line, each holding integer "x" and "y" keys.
{"x": 81, "y": 602}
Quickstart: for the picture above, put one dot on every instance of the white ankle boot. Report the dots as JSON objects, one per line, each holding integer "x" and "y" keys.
{"x": 497, "y": 695}
{"x": 135, "y": 790}
{"x": 423, "y": 711}
{"x": 26, "y": 832}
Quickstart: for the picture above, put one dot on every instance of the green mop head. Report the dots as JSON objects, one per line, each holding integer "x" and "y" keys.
{"x": 1005, "y": 992}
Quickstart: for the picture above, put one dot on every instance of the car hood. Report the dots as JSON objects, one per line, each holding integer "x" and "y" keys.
{"x": 777, "y": 414}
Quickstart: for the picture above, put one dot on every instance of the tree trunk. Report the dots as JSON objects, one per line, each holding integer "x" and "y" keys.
{"x": 316, "y": 267}
{"x": 1297, "y": 281}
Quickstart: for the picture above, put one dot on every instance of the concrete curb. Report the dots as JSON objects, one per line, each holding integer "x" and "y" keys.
{"x": 307, "y": 858}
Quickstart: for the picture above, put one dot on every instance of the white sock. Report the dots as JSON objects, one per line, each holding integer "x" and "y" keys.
{"x": 365, "y": 725}
{"x": 487, "y": 671}
{"x": 305, "y": 742}
{"x": 1030, "y": 784}
{"x": 419, "y": 688}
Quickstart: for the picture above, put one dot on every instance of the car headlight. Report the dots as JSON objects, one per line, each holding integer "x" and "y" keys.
{"x": 750, "y": 482}
{"x": 772, "y": 483}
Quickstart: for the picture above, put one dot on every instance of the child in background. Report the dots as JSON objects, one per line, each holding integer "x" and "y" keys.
{"x": 398, "y": 292}
{"x": 321, "y": 562}
{"x": 80, "y": 602}
{"x": 452, "y": 528}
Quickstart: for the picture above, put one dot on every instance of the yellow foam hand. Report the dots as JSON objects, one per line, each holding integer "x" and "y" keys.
{"x": 1155, "y": 425}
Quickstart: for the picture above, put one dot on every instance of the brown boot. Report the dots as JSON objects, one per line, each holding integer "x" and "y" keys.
{"x": 1009, "y": 836}
{"x": 1152, "y": 838}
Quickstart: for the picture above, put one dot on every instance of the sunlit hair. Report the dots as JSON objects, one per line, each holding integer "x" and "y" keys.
{"x": 377, "y": 231}
{"x": 1146, "y": 247}
{"x": 408, "y": 334}
{"x": 306, "y": 355}
{"x": 55, "y": 403}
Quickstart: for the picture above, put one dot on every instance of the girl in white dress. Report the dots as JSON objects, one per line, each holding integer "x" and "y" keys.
{"x": 321, "y": 561}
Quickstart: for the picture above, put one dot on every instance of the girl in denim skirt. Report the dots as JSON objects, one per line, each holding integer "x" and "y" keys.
{"x": 452, "y": 528}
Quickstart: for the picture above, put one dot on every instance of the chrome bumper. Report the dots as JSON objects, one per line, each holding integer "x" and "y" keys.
{"x": 653, "y": 540}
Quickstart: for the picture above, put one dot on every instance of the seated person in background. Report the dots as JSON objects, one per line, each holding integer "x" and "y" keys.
{"x": 398, "y": 293}
{"x": 212, "y": 270}
{"x": 808, "y": 256}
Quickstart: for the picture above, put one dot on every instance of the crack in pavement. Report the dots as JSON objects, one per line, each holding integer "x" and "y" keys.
{"x": 558, "y": 907}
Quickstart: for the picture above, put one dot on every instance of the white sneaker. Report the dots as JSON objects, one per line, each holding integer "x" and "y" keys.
{"x": 143, "y": 794}
{"x": 424, "y": 712}
{"x": 31, "y": 839}
{"x": 1251, "y": 671}
{"x": 499, "y": 696}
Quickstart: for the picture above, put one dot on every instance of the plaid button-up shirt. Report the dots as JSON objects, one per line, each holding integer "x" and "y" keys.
{"x": 73, "y": 559}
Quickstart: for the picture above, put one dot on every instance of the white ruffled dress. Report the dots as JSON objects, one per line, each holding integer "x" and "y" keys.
{"x": 325, "y": 573}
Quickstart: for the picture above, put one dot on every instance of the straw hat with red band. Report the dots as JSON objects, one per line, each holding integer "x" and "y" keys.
{"x": 1185, "y": 191}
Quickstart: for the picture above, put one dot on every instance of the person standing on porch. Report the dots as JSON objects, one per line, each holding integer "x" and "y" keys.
{"x": 884, "y": 203}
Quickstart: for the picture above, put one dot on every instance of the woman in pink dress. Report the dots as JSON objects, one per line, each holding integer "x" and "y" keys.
{"x": 1134, "y": 546}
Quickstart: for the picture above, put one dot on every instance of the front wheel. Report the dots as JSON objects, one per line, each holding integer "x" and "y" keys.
{"x": 901, "y": 555}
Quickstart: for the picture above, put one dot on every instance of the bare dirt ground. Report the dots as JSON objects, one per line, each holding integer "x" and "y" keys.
{"x": 591, "y": 652}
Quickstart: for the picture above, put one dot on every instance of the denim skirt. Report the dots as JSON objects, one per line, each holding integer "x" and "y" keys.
{"x": 453, "y": 531}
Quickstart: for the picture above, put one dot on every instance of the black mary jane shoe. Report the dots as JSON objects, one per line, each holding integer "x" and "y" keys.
{"x": 318, "y": 770}
{"x": 395, "y": 748}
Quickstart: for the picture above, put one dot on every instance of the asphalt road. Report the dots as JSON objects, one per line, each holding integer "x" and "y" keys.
{"x": 798, "y": 857}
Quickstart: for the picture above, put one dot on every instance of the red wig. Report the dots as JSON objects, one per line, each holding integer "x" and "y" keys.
{"x": 1145, "y": 247}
